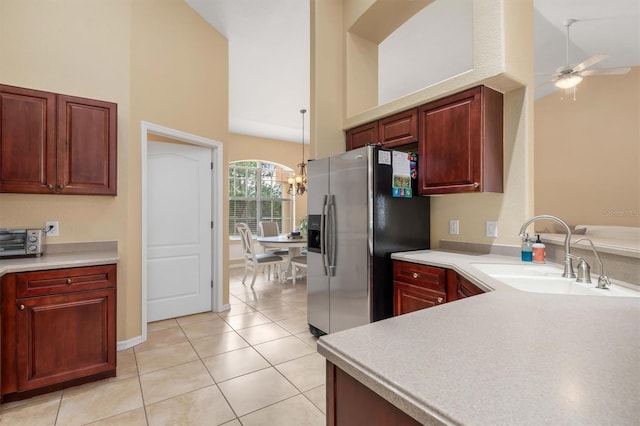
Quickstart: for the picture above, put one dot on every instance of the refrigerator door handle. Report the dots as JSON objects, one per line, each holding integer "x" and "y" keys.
{"x": 331, "y": 252}
{"x": 323, "y": 236}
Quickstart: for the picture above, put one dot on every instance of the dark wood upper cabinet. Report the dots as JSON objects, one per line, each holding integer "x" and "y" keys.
{"x": 399, "y": 129}
{"x": 87, "y": 143}
{"x": 460, "y": 148}
{"x": 27, "y": 140}
{"x": 56, "y": 144}
{"x": 362, "y": 135}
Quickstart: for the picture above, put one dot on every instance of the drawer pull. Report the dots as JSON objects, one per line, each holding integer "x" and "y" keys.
{"x": 69, "y": 281}
{"x": 416, "y": 275}
{"x": 21, "y": 307}
{"x": 440, "y": 299}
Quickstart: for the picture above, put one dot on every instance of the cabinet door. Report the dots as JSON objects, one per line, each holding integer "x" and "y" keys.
{"x": 461, "y": 143}
{"x": 87, "y": 146}
{"x": 466, "y": 288}
{"x": 27, "y": 140}
{"x": 399, "y": 129}
{"x": 450, "y": 145}
{"x": 362, "y": 135}
{"x": 408, "y": 298}
{"x": 60, "y": 338}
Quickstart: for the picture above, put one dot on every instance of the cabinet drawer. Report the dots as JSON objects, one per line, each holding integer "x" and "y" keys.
{"x": 42, "y": 283}
{"x": 420, "y": 275}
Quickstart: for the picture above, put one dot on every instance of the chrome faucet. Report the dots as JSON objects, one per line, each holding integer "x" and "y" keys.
{"x": 568, "y": 265}
{"x": 603, "y": 280}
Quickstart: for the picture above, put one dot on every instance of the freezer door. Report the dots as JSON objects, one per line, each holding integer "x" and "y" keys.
{"x": 317, "y": 278}
{"x": 347, "y": 242}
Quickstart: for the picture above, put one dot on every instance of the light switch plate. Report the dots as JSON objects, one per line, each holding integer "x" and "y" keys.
{"x": 454, "y": 227}
{"x": 492, "y": 229}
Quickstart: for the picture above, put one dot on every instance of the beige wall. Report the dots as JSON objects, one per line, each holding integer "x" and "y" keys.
{"x": 159, "y": 61}
{"x": 587, "y": 152}
{"x": 503, "y": 59}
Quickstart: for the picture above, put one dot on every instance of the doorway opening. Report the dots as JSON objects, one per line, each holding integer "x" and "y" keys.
{"x": 150, "y": 129}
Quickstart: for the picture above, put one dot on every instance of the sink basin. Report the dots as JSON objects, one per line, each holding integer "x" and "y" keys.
{"x": 547, "y": 279}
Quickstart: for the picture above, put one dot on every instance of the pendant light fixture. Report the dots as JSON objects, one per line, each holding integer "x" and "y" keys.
{"x": 298, "y": 183}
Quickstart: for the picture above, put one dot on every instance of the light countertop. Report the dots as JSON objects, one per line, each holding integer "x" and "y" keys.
{"x": 57, "y": 256}
{"x": 503, "y": 357}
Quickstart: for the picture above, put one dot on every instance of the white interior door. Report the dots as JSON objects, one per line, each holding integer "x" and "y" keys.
{"x": 179, "y": 257}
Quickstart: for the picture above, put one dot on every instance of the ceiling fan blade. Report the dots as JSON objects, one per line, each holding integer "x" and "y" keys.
{"x": 589, "y": 62}
{"x": 607, "y": 71}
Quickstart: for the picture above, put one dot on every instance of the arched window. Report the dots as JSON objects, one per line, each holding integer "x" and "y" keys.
{"x": 258, "y": 191}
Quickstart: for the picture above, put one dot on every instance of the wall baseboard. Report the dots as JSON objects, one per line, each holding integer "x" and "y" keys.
{"x": 126, "y": 344}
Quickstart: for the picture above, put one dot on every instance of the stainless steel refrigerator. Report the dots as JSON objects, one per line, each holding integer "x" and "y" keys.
{"x": 354, "y": 224}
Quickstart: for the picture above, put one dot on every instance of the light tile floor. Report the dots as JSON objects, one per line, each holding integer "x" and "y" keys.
{"x": 253, "y": 365}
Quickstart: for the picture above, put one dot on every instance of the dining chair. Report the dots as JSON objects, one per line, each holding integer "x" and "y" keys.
{"x": 271, "y": 229}
{"x": 298, "y": 262}
{"x": 252, "y": 260}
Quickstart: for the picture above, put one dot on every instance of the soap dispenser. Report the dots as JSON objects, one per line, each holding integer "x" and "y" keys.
{"x": 526, "y": 253}
{"x": 539, "y": 252}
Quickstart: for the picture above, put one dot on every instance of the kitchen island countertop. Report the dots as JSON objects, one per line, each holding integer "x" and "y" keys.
{"x": 58, "y": 256}
{"x": 503, "y": 357}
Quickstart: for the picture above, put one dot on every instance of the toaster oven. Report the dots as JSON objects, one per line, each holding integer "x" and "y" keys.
{"x": 21, "y": 242}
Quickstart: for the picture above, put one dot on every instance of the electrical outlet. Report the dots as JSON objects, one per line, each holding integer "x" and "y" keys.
{"x": 52, "y": 228}
{"x": 492, "y": 229}
{"x": 454, "y": 227}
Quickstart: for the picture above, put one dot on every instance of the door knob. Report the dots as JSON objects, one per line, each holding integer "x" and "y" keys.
{"x": 21, "y": 307}
{"x": 69, "y": 281}
{"x": 60, "y": 186}
{"x": 440, "y": 299}
{"x": 49, "y": 186}
{"x": 416, "y": 275}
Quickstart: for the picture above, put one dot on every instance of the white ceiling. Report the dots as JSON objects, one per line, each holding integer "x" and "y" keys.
{"x": 269, "y": 53}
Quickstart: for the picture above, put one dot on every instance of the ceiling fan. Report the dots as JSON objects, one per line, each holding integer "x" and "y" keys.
{"x": 567, "y": 76}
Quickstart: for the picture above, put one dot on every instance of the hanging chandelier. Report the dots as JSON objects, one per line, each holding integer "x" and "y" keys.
{"x": 298, "y": 183}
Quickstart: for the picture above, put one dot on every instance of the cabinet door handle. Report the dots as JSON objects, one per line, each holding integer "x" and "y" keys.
{"x": 21, "y": 307}
{"x": 69, "y": 281}
{"x": 416, "y": 275}
{"x": 60, "y": 186}
{"x": 476, "y": 184}
{"x": 49, "y": 186}
{"x": 440, "y": 299}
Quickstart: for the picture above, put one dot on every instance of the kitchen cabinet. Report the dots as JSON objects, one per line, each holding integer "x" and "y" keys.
{"x": 399, "y": 129}
{"x": 349, "y": 402}
{"x": 56, "y": 144}
{"x": 417, "y": 286}
{"x": 58, "y": 329}
{"x": 396, "y": 130}
{"x": 362, "y": 135}
{"x": 460, "y": 146}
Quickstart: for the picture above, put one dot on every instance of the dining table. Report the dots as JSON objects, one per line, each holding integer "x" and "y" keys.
{"x": 284, "y": 241}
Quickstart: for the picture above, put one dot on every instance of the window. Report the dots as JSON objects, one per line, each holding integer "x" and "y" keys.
{"x": 258, "y": 191}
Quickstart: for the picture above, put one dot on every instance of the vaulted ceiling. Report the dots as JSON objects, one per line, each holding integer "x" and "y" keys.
{"x": 269, "y": 52}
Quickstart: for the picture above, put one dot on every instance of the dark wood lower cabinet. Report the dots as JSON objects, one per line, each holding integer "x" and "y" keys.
{"x": 418, "y": 287}
{"x": 349, "y": 402}
{"x": 62, "y": 335}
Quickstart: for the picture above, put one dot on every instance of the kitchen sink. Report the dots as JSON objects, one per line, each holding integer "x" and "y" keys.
{"x": 545, "y": 278}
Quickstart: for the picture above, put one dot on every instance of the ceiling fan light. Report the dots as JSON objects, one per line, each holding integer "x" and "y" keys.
{"x": 568, "y": 82}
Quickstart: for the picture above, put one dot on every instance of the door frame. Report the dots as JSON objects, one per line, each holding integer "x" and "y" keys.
{"x": 147, "y": 129}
